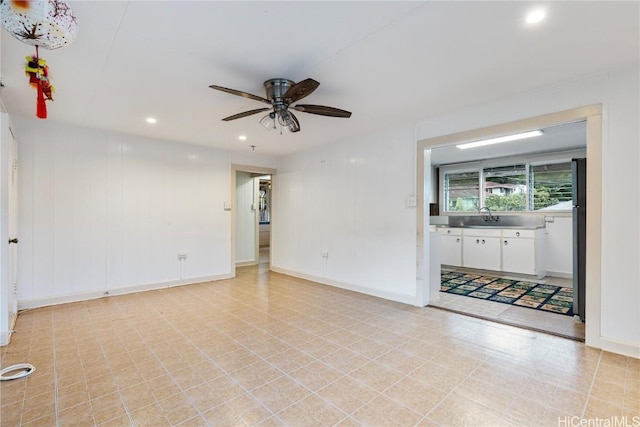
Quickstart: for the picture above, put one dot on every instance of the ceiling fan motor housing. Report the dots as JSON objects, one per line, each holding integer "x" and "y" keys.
{"x": 276, "y": 88}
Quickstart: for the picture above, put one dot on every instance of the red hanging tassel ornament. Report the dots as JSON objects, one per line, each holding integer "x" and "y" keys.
{"x": 38, "y": 73}
{"x": 41, "y": 107}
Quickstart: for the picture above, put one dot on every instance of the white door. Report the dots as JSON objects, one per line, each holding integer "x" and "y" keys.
{"x": 8, "y": 209}
{"x": 12, "y": 226}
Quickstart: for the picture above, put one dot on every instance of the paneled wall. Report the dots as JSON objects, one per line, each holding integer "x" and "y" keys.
{"x": 105, "y": 212}
{"x": 348, "y": 200}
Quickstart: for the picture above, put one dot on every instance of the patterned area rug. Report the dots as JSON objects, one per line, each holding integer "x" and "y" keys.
{"x": 551, "y": 298}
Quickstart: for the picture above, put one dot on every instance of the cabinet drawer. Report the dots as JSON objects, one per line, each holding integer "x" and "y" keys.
{"x": 479, "y": 232}
{"x": 510, "y": 234}
{"x": 446, "y": 231}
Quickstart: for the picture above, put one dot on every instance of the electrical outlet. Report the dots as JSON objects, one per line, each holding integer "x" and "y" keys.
{"x": 325, "y": 254}
{"x": 549, "y": 219}
{"x": 182, "y": 255}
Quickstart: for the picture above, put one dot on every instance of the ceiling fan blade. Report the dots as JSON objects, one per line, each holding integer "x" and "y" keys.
{"x": 300, "y": 90}
{"x": 322, "y": 110}
{"x": 240, "y": 93}
{"x": 245, "y": 114}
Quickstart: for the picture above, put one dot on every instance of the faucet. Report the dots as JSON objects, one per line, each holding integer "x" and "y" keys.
{"x": 490, "y": 217}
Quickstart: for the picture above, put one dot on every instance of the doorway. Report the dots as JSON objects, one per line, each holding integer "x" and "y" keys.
{"x": 527, "y": 187}
{"x": 591, "y": 116}
{"x": 251, "y": 215}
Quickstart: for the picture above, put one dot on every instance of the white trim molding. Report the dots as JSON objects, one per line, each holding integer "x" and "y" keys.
{"x": 103, "y": 293}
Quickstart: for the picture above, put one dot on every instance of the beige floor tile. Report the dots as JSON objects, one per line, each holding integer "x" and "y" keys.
{"x": 345, "y": 360}
{"x": 149, "y": 416}
{"x": 107, "y": 407}
{"x": 316, "y": 375}
{"x": 219, "y": 353}
{"x": 178, "y": 408}
{"x": 256, "y": 375}
{"x": 311, "y": 411}
{"x": 415, "y": 395}
{"x": 456, "y": 410}
{"x": 290, "y": 360}
{"x": 137, "y": 396}
{"x": 280, "y": 393}
{"x": 376, "y": 376}
{"x": 347, "y": 394}
{"x": 383, "y": 411}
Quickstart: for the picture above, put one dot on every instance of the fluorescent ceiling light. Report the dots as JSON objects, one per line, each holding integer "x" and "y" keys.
{"x": 242, "y": 138}
{"x": 535, "y": 16}
{"x": 151, "y": 120}
{"x": 500, "y": 139}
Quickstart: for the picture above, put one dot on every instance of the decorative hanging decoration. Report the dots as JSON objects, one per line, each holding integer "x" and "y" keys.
{"x": 38, "y": 73}
{"x": 50, "y": 24}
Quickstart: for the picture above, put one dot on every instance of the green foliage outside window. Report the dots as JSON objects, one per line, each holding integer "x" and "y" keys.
{"x": 512, "y": 202}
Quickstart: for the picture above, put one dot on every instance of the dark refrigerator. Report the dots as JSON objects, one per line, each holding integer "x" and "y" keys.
{"x": 579, "y": 178}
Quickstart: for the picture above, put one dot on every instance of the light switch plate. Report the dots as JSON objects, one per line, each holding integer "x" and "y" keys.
{"x": 227, "y": 206}
{"x": 412, "y": 201}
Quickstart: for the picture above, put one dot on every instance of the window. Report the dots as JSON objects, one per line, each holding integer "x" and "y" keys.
{"x": 505, "y": 188}
{"x": 509, "y": 185}
{"x": 461, "y": 191}
{"x": 552, "y": 187}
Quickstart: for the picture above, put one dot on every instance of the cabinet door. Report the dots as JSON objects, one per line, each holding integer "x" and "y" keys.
{"x": 451, "y": 250}
{"x": 519, "y": 255}
{"x": 481, "y": 252}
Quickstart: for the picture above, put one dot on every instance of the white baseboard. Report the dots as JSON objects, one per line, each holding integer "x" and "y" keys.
{"x": 5, "y": 337}
{"x": 246, "y": 263}
{"x": 559, "y": 274}
{"x": 619, "y": 347}
{"x": 402, "y": 298}
{"x": 83, "y": 296}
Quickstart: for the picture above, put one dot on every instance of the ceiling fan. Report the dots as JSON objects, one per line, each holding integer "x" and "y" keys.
{"x": 281, "y": 93}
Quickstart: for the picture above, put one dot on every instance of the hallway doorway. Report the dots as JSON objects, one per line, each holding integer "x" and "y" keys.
{"x": 251, "y": 215}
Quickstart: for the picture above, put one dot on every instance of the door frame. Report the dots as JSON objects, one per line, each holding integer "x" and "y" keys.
{"x": 592, "y": 114}
{"x": 233, "y": 195}
{"x": 8, "y": 217}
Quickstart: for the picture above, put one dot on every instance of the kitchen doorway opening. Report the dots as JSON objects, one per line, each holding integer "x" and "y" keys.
{"x": 556, "y": 221}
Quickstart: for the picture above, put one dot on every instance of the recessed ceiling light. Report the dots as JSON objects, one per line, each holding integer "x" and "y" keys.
{"x": 500, "y": 139}
{"x": 242, "y": 138}
{"x": 151, "y": 120}
{"x": 535, "y": 16}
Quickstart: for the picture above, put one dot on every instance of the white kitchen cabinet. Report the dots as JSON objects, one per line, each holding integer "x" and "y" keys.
{"x": 450, "y": 246}
{"x": 481, "y": 248}
{"x": 522, "y": 252}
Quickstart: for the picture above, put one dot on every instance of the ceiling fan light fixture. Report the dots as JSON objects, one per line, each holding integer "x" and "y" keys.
{"x": 268, "y": 121}
{"x": 280, "y": 94}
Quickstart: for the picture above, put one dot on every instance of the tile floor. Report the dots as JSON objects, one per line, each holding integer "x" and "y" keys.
{"x": 268, "y": 349}
{"x": 564, "y": 326}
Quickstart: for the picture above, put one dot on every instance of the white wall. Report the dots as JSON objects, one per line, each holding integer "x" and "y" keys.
{"x": 245, "y": 218}
{"x": 349, "y": 199}
{"x": 101, "y": 211}
{"x": 617, "y": 90}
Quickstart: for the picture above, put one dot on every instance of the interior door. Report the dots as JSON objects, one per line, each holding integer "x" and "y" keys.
{"x": 12, "y": 226}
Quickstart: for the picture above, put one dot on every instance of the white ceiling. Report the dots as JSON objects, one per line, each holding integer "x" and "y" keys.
{"x": 388, "y": 62}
